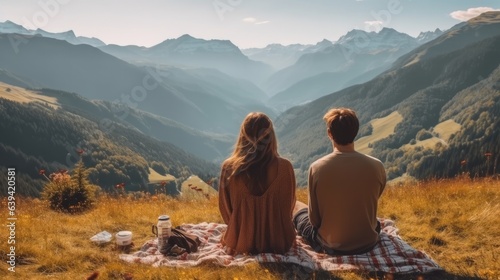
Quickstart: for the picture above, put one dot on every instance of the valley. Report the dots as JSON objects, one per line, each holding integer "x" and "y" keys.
{"x": 188, "y": 95}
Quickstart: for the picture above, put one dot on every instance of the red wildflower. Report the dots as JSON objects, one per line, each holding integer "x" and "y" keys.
{"x": 488, "y": 154}
{"x": 463, "y": 162}
{"x": 41, "y": 172}
{"x": 163, "y": 183}
{"x": 79, "y": 151}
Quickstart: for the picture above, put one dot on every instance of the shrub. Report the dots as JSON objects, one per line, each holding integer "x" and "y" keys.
{"x": 423, "y": 135}
{"x": 71, "y": 194}
{"x": 159, "y": 167}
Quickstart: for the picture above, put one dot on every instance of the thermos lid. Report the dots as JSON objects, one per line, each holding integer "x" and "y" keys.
{"x": 163, "y": 218}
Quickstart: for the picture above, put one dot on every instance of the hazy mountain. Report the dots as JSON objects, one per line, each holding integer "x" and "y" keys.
{"x": 362, "y": 41}
{"x": 448, "y": 69}
{"x": 209, "y": 146}
{"x": 9, "y": 27}
{"x": 12, "y": 79}
{"x": 280, "y": 56}
{"x": 170, "y": 92}
{"x": 356, "y": 57}
{"x": 355, "y": 53}
{"x": 425, "y": 37}
{"x": 187, "y": 51}
{"x": 45, "y": 135}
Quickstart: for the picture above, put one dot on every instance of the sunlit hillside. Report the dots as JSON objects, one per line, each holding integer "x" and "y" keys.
{"x": 22, "y": 95}
{"x": 457, "y": 222}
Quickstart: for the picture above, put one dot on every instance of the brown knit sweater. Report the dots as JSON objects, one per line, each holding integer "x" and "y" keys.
{"x": 344, "y": 189}
{"x": 259, "y": 224}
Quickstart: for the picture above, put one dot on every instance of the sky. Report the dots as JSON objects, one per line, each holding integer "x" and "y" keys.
{"x": 247, "y": 23}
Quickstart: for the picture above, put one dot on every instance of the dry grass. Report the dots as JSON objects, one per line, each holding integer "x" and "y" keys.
{"x": 456, "y": 222}
{"x": 155, "y": 177}
{"x": 382, "y": 128}
{"x": 22, "y": 95}
{"x": 446, "y": 129}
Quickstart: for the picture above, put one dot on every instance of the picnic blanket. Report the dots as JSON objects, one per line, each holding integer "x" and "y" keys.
{"x": 391, "y": 254}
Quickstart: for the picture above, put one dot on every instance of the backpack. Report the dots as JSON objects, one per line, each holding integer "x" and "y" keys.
{"x": 179, "y": 242}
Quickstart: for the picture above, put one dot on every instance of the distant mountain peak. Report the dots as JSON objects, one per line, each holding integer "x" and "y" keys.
{"x": 427, "y": 36}
{"x": 8, "y": 22}
{"x": 11, "y": 27}
{"x": 386, "y": 38}
{"x": 68, "y": 33}
{"x": 187, "y": 37}
{"x": 389, "y": 30}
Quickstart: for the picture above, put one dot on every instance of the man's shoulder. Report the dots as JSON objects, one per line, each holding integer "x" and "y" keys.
{"x": 370, "y": 158}
{"x": 320, "y": 162}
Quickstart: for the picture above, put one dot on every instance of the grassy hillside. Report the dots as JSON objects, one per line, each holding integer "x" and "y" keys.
{"x": 455, "y": 221}
{"x": 36, "y": 135}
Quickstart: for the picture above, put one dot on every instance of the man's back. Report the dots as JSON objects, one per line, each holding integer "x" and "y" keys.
{"x": 344, "y": 191}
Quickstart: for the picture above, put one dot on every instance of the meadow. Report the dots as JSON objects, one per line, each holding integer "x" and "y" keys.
{"x": 456, "y": 222}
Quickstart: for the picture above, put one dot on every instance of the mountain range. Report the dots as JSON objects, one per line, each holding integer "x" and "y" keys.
{"x": 419, "y": 88}
{"x": 355, "y": 58}
{"x": 9, "y": 27}
{"x": 189, "y": 52}
{"x": 428, "y": 105}
{"x": 190, "y": 97}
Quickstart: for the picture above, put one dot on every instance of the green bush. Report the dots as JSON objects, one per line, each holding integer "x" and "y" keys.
{"x": 71, "y": 194}
{"x": 424, "y": 135}
{"x": 159, "y": 167}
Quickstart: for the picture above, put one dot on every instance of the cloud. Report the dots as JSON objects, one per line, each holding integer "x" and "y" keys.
{"x": 263, "y": 22}
{"x": 374, "y": 25}
{"x": 249, "y": 20}
{"x": 470, "y": 13}
{"x": 253, "y": 20}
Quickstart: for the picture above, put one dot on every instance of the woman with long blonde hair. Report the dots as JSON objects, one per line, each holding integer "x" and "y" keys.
{"x": 257, "y": 192}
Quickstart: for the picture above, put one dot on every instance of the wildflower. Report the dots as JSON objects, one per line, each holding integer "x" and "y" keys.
{"x": 463, "y": 162}
{"x": 79, "y": 151}
{"x": 488, "y": 155}
{"x": 41, "y": 172}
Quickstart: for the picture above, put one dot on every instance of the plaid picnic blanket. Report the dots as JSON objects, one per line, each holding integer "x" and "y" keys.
{"x": 391, "y": 254}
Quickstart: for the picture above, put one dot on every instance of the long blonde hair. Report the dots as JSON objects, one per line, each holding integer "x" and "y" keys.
{"x": 255, "y": 148}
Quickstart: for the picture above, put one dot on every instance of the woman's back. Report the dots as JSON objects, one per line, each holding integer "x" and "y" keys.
{"x": 259, "y": 220}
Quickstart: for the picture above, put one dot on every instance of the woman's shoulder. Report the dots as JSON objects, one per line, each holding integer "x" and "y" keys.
{"x": 285, "y": 163}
